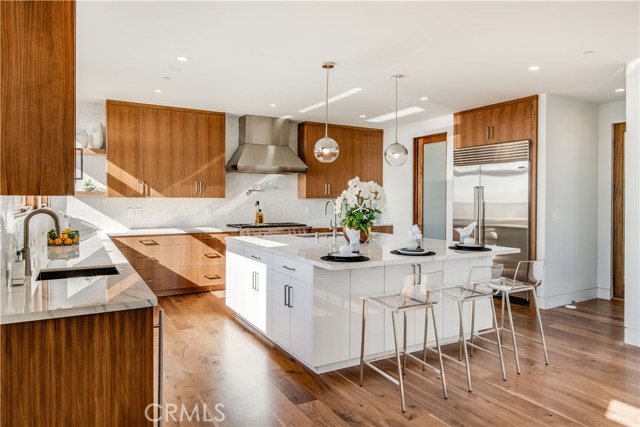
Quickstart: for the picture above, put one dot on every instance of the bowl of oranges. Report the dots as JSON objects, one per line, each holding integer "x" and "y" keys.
{"x": 66, "y": 238}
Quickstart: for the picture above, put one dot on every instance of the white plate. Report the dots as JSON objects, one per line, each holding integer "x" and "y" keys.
{"x": 338, "y": 255}
{"x": 475, "y": 245}
{"x": 404, "y": 251}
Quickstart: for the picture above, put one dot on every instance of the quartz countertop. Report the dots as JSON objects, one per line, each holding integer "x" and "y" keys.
{"x": 170, "y": 230}
{"x": 40, "y": 300}
{"x": 306, "y": 249}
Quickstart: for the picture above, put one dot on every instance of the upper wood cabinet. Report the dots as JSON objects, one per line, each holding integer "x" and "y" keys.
{"x": 156, "y": 151}
{"x": 494, "y": 124}
{"x": 37, "y": 97}
{"x": 360, "y": 155}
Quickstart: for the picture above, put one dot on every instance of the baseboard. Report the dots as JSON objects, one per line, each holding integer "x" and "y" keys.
{"x": 564, "y": 299}
{"x": 632, "y": 336}
{"x": 604, "y": 293}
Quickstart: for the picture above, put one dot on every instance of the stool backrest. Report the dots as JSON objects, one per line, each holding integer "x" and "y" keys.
{"x": 416, "y": 285}
{"x": 484, "y": 274}
{"x": 530, "y": 272}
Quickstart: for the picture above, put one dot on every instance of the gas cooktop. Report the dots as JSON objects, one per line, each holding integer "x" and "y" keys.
{"x": 267, "y": 225}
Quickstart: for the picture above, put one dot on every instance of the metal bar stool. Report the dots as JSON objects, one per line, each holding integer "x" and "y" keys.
{"x": 415, "y": 295}
{"x": 528, "y": 277}
{"x": 476, "y": 289}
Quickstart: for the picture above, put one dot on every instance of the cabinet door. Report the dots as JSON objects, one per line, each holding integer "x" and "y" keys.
{"x": 366, "y": 282}
{"x": 255, "y": 294}
{"x": 521, "y": 119}
{"x": 235, "y": 286}
{"x": 471, "y": 128}
{"x": 366, "y": 156}
{"x": 37, "y": 97}
{"x": 123, "y": 151}
{"x": 210, "y": 149}
{"x": 155, "y": 151}
{"x": 280, "y": 312}
{"x": 313, "y": 184}
{"x": 301, "y": 308}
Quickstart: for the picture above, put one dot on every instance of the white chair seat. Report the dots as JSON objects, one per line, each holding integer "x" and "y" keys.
{"x": 506, "y": 284}
{"x": 399, "y": 303}
{"x": 461, "y": 293}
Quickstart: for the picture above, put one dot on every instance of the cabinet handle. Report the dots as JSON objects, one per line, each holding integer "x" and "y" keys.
{"x": 160, "y": 327}
{"x": 329, "y": 192}
{"x": 146, "y": 191}
{"x": 286, "y": 294}
{"x": 207, "y": 237}
{"x": 256, "y": 257}
{"x": 257, "y": 281}
{"x": 148, "y": 242}
{"x": 212, "y": 255}
{"x": 286, "y": 267}
{"x": 289, "y": 295}
{"x": 212, "y": 277}
{"x": 201, "y": 186}
{"x": 493, "y": 129}
{"x": 488, "y": 133}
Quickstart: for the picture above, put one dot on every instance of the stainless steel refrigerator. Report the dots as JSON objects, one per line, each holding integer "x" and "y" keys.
{"x": 491, "y": 186}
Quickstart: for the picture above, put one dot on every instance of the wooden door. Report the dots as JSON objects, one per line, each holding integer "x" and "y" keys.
{"x": 156, "y": 160}
{"x": 178, "y": 173}
{"x": 124, "y": 173}
{"x": 37, "y": 97}
{"x": 617, "y": 219}
{"x": 211, "y": 155}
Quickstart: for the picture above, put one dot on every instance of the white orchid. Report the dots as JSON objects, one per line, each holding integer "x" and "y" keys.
{"x": 360, "y": 203}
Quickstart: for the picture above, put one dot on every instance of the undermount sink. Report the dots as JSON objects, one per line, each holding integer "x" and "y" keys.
{"x": 312, "y": 235}
{"x": 66, "y": 273}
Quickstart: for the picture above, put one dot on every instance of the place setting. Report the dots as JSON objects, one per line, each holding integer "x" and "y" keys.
{"x": 413, "y": 246}
{"x": 349, "y": 252}
{"x": 466, "y": 243}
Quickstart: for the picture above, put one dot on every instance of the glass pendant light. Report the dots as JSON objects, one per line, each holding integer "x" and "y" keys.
{"x": 396, "y": 154}
{"x": 326, "y": 149}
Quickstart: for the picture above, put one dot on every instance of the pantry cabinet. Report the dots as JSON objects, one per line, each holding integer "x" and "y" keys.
{"x": 37, "y": 97}
{"x": 157, "y": 151}
{"x": 360, "y": 155}
{"x": 494, "y": 124}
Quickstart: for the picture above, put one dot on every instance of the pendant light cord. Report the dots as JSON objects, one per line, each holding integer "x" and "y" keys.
{"x": 396, "y": 79}
{"x": 326, "y": 109}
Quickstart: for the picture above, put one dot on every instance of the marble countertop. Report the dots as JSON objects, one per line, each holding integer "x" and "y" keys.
{"x": 379, "y": 250}
{"x": 39, "y": 300}
{"x": 170, "y": 230}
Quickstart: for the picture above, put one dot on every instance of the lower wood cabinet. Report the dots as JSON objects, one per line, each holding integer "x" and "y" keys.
{"x": 92, "y": 370}
{"x": 175, "y": 264}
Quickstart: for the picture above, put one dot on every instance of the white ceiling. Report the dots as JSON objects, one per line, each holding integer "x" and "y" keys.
{"x": 245, "y": 56}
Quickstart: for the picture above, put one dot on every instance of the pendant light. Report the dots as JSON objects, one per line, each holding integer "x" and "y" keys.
{"x": 326, "y": 149}
{"x": 396, "y": 154}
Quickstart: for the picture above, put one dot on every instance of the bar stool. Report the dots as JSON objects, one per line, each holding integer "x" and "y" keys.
{"x": 474, "y": 290}
{"x": 415, "y": 295}
{"x": 528, "y": 277}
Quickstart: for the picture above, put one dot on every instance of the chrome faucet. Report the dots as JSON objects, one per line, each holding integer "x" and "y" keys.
{"x": 333, "y": 224}
{"x": 26, "y": 250}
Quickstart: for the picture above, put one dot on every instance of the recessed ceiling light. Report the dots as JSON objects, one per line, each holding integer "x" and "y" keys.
{"x": 166, "y": 78}
{"x": 534, "y": 68}
{"x": 424, "y": 98}
{"x": 288, "y": 116}
{"x": 588, "y": 52}
{"x": 620, "y": 89}
{"x": 182, "y": 58}
{"x": 338, "y": 97}
{"x": 362, "y": 116}
{"x": 401, "y": 113}
{"x": 158, "y": 91}
{"x": 273, "y": 105}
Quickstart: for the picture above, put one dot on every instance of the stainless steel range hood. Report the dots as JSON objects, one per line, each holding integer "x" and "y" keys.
{"x": 264, "y": 148}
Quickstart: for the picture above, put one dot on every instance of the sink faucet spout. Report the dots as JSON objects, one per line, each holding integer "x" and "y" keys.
{"x": 26, "y": 250}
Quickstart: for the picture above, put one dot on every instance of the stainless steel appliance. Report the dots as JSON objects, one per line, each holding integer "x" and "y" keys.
{"x": 491, "y": 185}
{"x": 270, "y": 228}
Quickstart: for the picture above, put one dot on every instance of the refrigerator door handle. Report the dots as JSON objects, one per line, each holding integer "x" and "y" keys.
{"x": 478, "y": 213}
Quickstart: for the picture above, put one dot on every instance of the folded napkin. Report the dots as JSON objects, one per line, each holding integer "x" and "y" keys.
{"x": 466, "y": 231}
{"x": 414, "y": 232}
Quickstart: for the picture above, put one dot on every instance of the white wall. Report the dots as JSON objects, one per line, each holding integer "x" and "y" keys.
{"x": 569, "y": 161}
{"x": 632, "y": 206}
{"x": 278, "y": 205}
{"x": 398, "y": 180}
{"x": 608, "y": 114}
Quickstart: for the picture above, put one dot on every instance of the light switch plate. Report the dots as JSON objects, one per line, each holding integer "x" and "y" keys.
{"x": 131, "y": 212}
{"x": 556, "y": 216}
{"x": 138, "y": 212}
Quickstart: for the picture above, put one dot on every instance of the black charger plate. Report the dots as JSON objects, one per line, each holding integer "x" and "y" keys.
{"x": 416, "y": 253}
{"x": 360, "y": 258}
{"x": 470, "y": 248}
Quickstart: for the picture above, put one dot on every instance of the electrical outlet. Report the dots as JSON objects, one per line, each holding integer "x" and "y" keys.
{"x": 209, "y": 212}
{"x": 138, "y": 212}
{"x": 131, "y": 212}
{"x": 556, "y": 216}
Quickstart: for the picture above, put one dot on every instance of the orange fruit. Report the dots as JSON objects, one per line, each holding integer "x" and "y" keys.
{"x": 57, "y": 241}
{"x": 49, "y": 242}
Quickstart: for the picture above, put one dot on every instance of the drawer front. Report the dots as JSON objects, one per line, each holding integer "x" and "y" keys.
{"x": 194, "y": 276}
{"x": 146, "y": 241}
{"x": 292, "y": 268}
{"x": 257, "y": 255}
{"x": 156, "y": 256}
{"x": 159, "y": 279}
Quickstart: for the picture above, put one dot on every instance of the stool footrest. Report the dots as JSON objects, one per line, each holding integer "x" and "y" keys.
{"x": 381, "y": 372}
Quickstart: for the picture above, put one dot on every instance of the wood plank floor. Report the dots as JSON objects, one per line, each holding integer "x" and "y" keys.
{"x": 593, "y": 378}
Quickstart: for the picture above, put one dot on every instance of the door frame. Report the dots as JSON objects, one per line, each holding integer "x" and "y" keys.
{"x": 615, "y": 292}
{"x": 418, "y": 172}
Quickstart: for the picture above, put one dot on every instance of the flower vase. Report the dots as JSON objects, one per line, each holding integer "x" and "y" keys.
{"x": 365, "y": 235}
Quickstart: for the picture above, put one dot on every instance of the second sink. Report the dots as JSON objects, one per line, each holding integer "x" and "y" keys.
{"x": 65, "y": 273}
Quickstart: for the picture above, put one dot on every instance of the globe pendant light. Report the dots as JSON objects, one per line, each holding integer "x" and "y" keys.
{"x": 396, "y": 154}
{"x": 326, "y": 149}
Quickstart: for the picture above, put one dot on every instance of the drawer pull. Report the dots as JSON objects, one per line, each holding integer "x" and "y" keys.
{"x": 212, "y": 277}
{"x": 256, "y": 257}
{"x": 148, "y": 242}
{"x": 286, "y": 267}
{"x": 212, "y": 255}
{"x": 208, "y": 238}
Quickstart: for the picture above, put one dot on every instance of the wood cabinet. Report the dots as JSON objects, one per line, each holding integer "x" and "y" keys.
{"x": 361, "y": 155}
{"x": 90, "y": 370}
{"x": 156, "y": 151}
{"x": 505, "y": 122}
{"x": 37, "y": 97}
{"x": 177, "y": 264}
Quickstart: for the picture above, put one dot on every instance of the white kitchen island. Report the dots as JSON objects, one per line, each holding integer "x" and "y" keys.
{"x": 312, "y": 308}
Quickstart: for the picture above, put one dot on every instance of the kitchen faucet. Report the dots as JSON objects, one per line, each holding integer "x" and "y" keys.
{"x": 333, "y": 224}
{"x": 26, "y": 250}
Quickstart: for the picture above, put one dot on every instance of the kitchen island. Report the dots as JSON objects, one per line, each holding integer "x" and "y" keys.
{"x": 312, "y": 308}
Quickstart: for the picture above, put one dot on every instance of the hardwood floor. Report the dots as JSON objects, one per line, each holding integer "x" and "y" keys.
{"x": 593, "y": 378}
